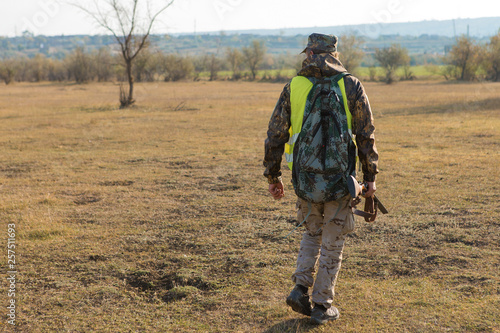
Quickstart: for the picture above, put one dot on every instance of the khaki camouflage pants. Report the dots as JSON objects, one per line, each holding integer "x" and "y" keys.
{"x": 321, "y": 246}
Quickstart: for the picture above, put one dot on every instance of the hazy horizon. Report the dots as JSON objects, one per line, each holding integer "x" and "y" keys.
{"x": 53, "y": 17}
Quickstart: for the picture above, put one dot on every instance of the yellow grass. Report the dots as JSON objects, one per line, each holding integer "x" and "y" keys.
{"x": 157, "y": 218}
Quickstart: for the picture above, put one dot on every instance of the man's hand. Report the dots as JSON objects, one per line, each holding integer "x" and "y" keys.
{"x": 371, "y": 188}
{"x": 277, "y": 190}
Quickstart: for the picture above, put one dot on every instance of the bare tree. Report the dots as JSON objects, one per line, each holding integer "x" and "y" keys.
{"x": 351, "y": 53}
{"x": 214, "y": 65}
{"x": 235, "y": 60}
{"x": 254, "y": 54}
{"x": 131, "y": 27}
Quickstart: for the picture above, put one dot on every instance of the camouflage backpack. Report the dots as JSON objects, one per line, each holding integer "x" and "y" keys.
{"x": 324, "y": 154}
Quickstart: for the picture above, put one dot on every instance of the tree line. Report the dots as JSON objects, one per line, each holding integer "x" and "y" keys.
{"x": 467, "y": 60}
{"x": 150, "y": 65}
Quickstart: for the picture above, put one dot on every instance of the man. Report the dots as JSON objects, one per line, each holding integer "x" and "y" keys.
{"x": 326, "y": 223}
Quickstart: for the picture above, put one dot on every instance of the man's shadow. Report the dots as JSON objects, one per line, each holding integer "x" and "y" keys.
{"x": 292, "y": 326}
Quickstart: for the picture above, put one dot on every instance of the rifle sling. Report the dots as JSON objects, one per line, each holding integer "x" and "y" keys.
{"x": 363, "y": 214}
{"x": 370, "y": 212}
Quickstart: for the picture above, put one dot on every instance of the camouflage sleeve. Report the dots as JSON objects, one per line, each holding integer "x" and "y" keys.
{"x": 363, "y": 127}
{"x": 277, "y": 136}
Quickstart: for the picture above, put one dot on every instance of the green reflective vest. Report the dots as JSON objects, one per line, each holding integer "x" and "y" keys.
{"x": 299, "y": 91}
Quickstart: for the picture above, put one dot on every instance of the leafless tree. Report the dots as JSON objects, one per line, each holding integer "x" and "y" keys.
{"x": 235, "y": 60}
{"x": 351, "y": 53}
{"x": 214, "y": 65}
{"x": 130, "y": 22}
{"x": 254, "y": 55}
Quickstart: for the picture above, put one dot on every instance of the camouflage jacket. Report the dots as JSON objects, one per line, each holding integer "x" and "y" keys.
{"x": 323, "y": 65}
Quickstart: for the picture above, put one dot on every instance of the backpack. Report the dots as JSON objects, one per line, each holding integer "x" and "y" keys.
{"x": 324, "y": 155}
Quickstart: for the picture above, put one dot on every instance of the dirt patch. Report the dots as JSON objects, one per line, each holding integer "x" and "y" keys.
{"x": 116, "y": 183}
{"x": 87, "y": 198}
{"x": 170, "y": 286}
{"x": 16, "y": 170}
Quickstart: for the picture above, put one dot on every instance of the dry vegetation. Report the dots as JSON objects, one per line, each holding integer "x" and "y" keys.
{"x": 157, "y": 219}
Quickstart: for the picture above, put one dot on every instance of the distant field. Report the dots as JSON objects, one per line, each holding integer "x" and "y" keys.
{"x": 419, "y": 72}
{"x": 157, "y": 218}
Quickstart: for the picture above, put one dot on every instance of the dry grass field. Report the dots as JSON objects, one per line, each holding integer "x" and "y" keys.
{"x": 157, "y": 218}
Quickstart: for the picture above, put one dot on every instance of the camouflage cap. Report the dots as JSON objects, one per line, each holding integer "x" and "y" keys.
{"x": 320, "y": 43}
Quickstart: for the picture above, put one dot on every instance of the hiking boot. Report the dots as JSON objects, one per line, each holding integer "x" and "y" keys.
{"x": 321, "y": 315}
{"x": 298, "y": 300}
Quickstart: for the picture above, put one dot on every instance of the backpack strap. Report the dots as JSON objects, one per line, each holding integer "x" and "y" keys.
{"x": 345, "y": 104}
{"x": 340, "y": 76}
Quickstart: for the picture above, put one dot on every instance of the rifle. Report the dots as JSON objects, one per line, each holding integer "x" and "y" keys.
{"x": 372, "y": 204}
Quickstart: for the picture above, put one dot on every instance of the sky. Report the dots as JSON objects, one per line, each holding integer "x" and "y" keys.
{"x": 58, "y": 17}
